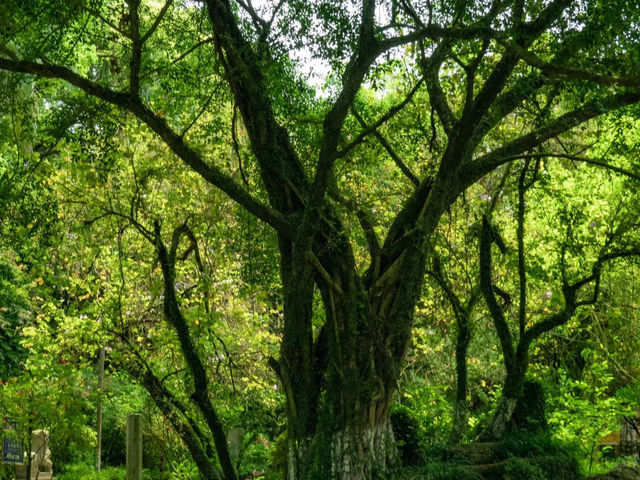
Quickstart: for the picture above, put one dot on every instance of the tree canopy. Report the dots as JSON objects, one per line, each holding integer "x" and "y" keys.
{"x": 163, "y": 133}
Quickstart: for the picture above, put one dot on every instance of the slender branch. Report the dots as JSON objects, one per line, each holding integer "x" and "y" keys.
{"x": 382, "y": 120}
{"x": 210, "y": 173}
{"x": 573, "y": 158}
{"x": 364, "y": 218}
{"x": 97, "y": 14}
{"x": 567, "y": 72}
{"x": 436, "y": 273}
{"x": 394, "y": 156}
{"x": 323, "y": 272}
{"x": 201, "y": 112}
{"x": 146, "y": 233}
{"x": 487, "y": 289}
{"x": 157, "y": 21}
{"x": 570, "y": 293}
{"x": 180, "y": 57}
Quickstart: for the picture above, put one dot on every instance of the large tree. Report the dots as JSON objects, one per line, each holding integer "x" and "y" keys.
{"x": 545, "y": 67}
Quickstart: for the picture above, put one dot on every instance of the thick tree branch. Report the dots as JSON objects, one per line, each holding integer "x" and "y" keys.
{"x": 355, "y": 71}
{"x": 190, "y": 433}
{"x": 436, "y": 32}
{"x": 525, "y": 35}
{"x": 136, "y": 47}
{"x": 176, "y": 143}
{"x": 514, "y": 149}
{"x": 522, "y": 272}
{"x": 487, "y": 289}
{"x": 431, "y": 72}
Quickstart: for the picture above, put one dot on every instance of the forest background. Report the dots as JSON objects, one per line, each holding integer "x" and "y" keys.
{"x": 434, "y": 245}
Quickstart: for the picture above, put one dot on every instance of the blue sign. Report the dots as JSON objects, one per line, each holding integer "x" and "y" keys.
{"x": 11, "y": 448}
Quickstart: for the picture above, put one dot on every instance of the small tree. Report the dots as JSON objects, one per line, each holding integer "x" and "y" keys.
{"x": 578, "y": 292}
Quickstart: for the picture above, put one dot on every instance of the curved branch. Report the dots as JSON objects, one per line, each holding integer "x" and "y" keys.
{"x": 567, "y": 72}
{"x": 372, "y": 129}
{"x": 487, "y": 289}
{"x": 174, "y": 317}
{"x": 157, "y": 21}
{"x": 174, "y": 141}
{"x": 516, "y": 148}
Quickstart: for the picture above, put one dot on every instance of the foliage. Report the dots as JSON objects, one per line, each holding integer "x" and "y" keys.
{"x": 83, "y": 471}
{"x": 251, "y": 252}
{"x": 547, "y": 467}
{"x": 437, "y": 471}
{"x": 584, "y": 410}
{"x": 14, "y": 301}
{"x": 406, "y": 430}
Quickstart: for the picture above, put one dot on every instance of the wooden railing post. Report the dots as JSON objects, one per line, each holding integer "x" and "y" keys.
{"x": 134, "y": 447}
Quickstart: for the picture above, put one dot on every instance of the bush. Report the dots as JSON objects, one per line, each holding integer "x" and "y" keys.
{"x": 114, "y": 443}
{"x": 524, "y": 444}
{"x": 523, "y": 469}
{"x": 83, "y": 471}
{"x": 437, "y": 471}
{"x": 406, "y": 432}
{"x": 535, "y": 457}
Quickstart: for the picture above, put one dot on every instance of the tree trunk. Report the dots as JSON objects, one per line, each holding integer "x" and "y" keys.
{"x": 361, "y": 451}
{"x": 460, "y": 412}
{"x": 502, "y": 421}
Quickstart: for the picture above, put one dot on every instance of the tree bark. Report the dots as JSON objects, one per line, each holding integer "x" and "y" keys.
{"x": 460, "y": 411}
{"x": 501, "y": 423}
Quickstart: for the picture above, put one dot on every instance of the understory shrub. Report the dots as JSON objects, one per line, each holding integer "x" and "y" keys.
{"x": 406, "y": 431}
{"x": 536, "y": 457}
{"x": 437, "y": 471}
{"x": 83, "y": 471}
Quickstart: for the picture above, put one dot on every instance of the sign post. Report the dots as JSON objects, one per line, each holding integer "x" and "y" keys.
{"x": 11, "y": 447}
